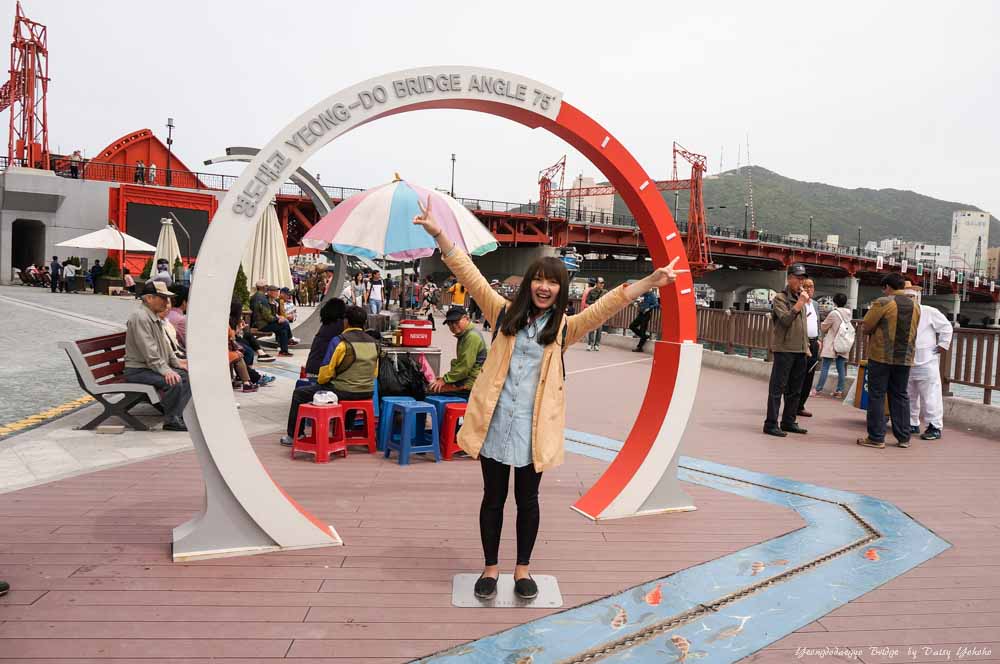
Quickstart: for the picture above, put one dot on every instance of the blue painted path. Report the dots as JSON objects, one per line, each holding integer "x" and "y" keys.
{"x": 728, "y": 608}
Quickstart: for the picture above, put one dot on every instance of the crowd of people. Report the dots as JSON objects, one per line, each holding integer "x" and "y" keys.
{"x": 905, "y": 340}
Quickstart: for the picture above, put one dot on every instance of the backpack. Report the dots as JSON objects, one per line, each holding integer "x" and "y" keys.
{"x": 844, "y": 341}
{"x": 562, "y": 340}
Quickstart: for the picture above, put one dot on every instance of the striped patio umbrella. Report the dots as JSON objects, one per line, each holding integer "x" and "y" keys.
{"x": 378, "y": 223}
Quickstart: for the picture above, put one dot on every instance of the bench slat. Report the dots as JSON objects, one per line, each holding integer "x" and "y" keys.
{"x": 102, "y": 358}
{"x": 107, "y": 342}
{"x": 113, "y": 369}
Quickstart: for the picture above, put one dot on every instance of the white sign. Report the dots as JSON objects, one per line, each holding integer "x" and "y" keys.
{"x": 975, "y": 282}
{"x": 905, "y": 265}
{"x": 879, "y": 263}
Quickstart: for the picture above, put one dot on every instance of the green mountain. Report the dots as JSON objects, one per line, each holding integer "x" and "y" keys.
{"x": 783, "y": 205}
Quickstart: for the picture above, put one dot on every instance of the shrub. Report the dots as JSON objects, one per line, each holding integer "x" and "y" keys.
{"x": 240, "y": 289}
{"x": 111, "y": 269}
{"x": 146, "y": 269}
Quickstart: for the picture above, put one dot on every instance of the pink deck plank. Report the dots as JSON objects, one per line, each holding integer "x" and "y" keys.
{"x": 109, "y": 532}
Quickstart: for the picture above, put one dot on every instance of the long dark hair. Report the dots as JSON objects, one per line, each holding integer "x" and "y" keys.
{"x": 522, "y": 307}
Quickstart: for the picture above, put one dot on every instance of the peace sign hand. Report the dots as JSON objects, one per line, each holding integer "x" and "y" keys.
{"x": 664, "y": 275}
{"x": 425, "y": 219}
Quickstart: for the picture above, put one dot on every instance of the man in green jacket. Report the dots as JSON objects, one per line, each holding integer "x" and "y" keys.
{"x": 789, "y": 346}
{"x": 470, "y": 356}
{"x": 892, "y": 324}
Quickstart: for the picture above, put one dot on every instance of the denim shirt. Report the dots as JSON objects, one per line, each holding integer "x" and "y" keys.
{"x": 508, "y": 439}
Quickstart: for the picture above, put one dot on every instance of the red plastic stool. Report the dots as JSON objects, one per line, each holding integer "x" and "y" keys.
{"x": 449, "y": 427}
{"x": 366, "y": 434}
{"x": 325, "y": 439}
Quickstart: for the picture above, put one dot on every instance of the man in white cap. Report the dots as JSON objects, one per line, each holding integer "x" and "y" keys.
{"x": 149, "y": 358}
{"x": 934, "y": 334}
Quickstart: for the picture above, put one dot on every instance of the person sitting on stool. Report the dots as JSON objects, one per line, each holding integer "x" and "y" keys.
{"x": 469, "y": 357}
{"x": 350, "y": 373}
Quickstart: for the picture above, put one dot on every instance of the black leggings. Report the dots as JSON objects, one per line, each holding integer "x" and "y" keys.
{"x": 496, "y": 479}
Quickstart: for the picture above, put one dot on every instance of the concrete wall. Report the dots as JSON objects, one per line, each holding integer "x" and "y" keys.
{"x": 68, "y": 208}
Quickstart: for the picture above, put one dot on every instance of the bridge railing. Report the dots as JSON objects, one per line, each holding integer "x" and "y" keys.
{"x": 973, "y": 359}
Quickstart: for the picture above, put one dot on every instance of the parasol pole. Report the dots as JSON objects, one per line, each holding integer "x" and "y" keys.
{"x": 122, "y": 266}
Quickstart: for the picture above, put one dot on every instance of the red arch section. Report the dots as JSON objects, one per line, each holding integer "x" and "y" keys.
{"x": 664, "y": 242}
{"x": 117, "y": 161}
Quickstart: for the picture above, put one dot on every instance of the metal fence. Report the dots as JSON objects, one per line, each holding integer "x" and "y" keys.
{"x": 973, "y": 359}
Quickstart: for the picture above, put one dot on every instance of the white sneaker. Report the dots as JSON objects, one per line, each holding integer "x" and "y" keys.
{"x": 590, "y": 348}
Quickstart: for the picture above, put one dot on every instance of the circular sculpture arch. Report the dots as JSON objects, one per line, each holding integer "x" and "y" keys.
{"x": 245, "y": 511}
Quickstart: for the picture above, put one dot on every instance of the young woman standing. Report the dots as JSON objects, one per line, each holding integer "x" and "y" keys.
{"x": 517, "y": 411}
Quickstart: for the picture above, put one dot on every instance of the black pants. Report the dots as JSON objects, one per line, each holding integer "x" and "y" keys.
{"x": 305, "y": 394}
{"x": 889, "y": 378}
{"x": 640, "y": 327}
{"x": 811, "y": 364}
{"x": 173, "y": 398}
{"x": 496, "y": 479}
{"x": 787, "y": 371}
{"x": 282, "y": 332}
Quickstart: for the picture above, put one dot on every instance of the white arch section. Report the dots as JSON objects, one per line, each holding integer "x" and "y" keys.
{"x": 245, "y": 511}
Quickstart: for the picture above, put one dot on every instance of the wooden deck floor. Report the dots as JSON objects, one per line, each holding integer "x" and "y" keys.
{"x": 88, "y": 557}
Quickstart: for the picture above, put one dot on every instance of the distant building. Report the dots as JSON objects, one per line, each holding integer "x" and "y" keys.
{"x": 593, "y": 208}
{"x": 993, "y": 263}
{"x": 833, "y": 240}
{"x": 798, "y": 237}
{"x": 928, "y": 254}
{"x": 887, "y": 247}
{"x": 969, "y": 237}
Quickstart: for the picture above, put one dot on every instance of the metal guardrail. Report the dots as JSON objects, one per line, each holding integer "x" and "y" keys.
{"x": 973, "y": 359}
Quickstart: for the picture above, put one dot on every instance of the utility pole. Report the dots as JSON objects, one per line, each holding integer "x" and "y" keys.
{"x": 170, "y": 142}
{"x": 859, "y": 240}
{"x": 810, "y": 230}
{"x": 746, "y": 218}
{"x": 453, "y": 175}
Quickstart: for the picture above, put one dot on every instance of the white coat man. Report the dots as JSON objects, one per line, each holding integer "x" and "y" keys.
{"x": 934, "y": 334}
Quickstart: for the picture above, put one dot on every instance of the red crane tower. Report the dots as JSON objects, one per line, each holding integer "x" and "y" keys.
{"x": 26, "y": 93}
{"x": 698, "y": 254}
{"x": 546, "y": 178}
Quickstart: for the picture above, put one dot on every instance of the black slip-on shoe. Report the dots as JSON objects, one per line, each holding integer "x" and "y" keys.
{"x": 932, "y": 433}
{"x": 175, "y": 425}
{"x": 486, "y": 587}
{"x": 914, "y": 429}
{"x": 793, "y": 428}
{"x": 774, "y": 431}
{"x": 526, "y": 588}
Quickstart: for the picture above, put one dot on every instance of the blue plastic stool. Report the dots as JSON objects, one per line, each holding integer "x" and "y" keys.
{"x": 439, "y": 401}
{"x": 412, "y": 436}
{"x": 386, "y": 416}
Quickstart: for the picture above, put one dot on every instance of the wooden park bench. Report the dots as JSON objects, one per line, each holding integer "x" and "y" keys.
{"x": 99, "y": 364}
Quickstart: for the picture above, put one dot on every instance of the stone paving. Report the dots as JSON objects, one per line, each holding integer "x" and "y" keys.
{"x": 35, "y": 372}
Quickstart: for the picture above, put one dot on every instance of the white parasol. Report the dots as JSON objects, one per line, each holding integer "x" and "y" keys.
{"x": 266, "y": 257}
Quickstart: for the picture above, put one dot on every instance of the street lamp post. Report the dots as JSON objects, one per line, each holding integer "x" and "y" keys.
{"x": 453, "y": 175}
{"x": 170, "y": 142}
{"x": 746, "y": 217}
{"x": 859, "y": 240}
{"x": 810, "y": 230}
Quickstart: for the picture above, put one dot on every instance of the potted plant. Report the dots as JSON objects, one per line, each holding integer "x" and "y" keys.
{"x": 144, "y": 275}
{"x": 111, "y": 276}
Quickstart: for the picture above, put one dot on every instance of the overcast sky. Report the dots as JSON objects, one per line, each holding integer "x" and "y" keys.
{"x": 854, "y": 94}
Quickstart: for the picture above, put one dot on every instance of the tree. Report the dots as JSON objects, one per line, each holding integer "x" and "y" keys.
{"x": 146, "y": 269}
{"x": 240, "y": 289}
{"x": 111, "y": 269}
